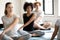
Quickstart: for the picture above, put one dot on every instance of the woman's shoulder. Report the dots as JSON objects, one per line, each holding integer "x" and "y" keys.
{"x": 58, "y": 20}
{"x": 33, "y": 14}
{"x": 3, "y": 16}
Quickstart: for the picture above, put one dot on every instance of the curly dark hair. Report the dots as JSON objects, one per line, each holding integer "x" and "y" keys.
{"x": 26, "y": 5}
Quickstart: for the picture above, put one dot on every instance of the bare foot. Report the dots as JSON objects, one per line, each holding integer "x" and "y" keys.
{"x": 34, "y": 34}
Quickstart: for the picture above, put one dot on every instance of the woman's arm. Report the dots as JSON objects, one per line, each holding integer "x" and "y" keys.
{"x": 11, "y": 26}
{"x": 38, "y": 19}
{"x": 55, "y": 32}
{"x": 27, "y": 23}
{"x": 36, "y": 22}
{"x": 40, "y": 16}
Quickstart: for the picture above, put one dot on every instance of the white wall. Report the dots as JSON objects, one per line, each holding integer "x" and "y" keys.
{"x": 18, "y": 9}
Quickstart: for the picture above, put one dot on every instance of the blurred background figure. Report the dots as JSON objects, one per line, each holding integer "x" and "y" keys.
{"x": 38, "y": 23}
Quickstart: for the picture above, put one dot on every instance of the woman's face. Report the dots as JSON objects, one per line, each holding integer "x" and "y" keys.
{"x": 9, "y": 8}
{"x": 29, "y": 9}
{"x": 37, "y": 6}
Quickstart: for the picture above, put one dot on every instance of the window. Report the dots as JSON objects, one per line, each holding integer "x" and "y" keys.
{"x": 59, "y": 8}
{"x": 47, "y": 6}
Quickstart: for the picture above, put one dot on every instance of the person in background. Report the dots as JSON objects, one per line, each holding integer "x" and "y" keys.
{"x": 38, "y": 23}
{"x": 56, "y": 31}
{"x": 29, "y": 19}
{"x": 10, "y": 22}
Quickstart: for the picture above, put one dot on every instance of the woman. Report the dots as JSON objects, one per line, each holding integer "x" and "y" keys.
{"x": 57, "y": 30}
{"x": 10, "y": 22}
{"x": 28, "y": 19}
{"x": 38, "y": 23}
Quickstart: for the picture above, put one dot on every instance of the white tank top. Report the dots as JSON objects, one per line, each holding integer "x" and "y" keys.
{"x": 7, "y": 22}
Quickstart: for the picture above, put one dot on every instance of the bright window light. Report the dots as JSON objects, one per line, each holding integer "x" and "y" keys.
{"x": 59, "y": 8}
{"x": 48, "y": 7}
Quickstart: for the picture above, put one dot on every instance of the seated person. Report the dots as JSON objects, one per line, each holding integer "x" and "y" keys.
{"x": 38, "y": 23}
{"x": 28, "y": 19}
{"x": 57, "y": 30}
{"x": 10, "y": 22}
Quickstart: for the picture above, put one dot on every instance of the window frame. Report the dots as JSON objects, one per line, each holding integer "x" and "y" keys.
{"x": 52, "y": 7}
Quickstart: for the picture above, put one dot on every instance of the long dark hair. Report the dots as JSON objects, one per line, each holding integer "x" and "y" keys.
{"x": 6, "y": 7}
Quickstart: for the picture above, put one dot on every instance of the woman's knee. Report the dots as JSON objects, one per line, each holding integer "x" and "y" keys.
{"x": 27, "y": 36}
{"x": 5, "y": 37}
{"x": 20, "y": 38}
{"x": 47, "y": 24}
{"x": 39, "y": 33}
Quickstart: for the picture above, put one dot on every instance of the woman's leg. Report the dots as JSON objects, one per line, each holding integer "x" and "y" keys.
{"x": 5, "y": 37}
{"x": 47, "y": 24}
{"x": 37, "y": 33}
{"x": 20, "y": 38}
{"x": 24, "y": 35}
{"x": 36, "y": 26}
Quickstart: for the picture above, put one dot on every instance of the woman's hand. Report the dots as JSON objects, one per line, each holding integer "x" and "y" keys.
{"x": 1, "y": 35}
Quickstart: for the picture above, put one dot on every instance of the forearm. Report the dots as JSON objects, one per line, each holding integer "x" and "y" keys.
{"x": 28, "y": 22}
{"x": 7, "y": 29}
{"x": 53, "y": 36}
{"x": 36, "y": 24}
{"x": 55, "y": 32}
{"x": 25, "y": 24}
{"x": 38, "y": 19}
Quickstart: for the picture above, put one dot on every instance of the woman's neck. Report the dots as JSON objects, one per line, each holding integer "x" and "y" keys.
{"x": 28, "y": 13}
{"x": 37, "y": 10}
{"x": 9, "y": 15}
